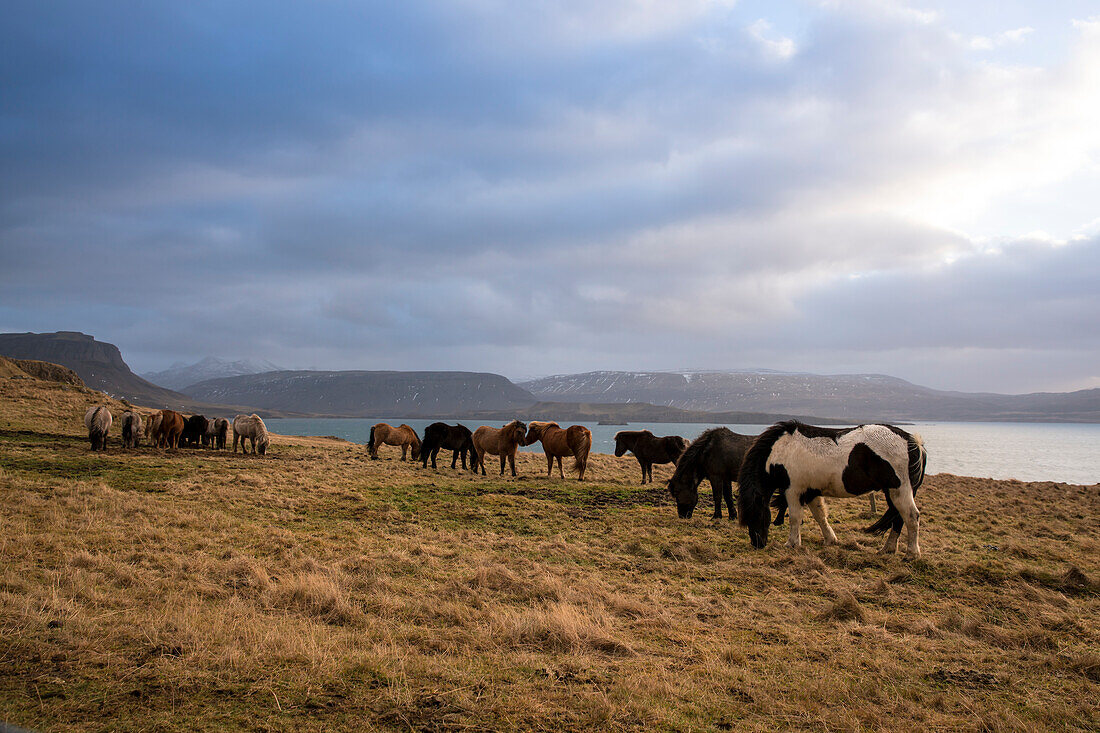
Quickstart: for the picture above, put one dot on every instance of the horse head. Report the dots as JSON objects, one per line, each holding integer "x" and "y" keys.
{"x": 685, "y": 491}
{"x": 620, "y": 445}
{"x": 520, "y": 432}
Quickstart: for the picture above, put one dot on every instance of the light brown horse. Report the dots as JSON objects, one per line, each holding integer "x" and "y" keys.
{"x": 576, "y": 441}
{"x": 499, "y": 442}
{"x": 402, "y": 435}
{"x": 169, "y": 429}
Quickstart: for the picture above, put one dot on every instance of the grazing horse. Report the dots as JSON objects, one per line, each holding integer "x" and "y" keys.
{"x": 98, "y": 421}
{"x": 169, "y": 429}
{"x": 250, "y": 427}
{"x": 402, "y": 435}
{"x": 131, "y": 429}
{"x": 194, "y": 430}
{"x": 499, "y": 442}
{"x": 649, "y": 449}
{"x": 576, "y": 441}
{"x": 716, "y": 456}
{"x": 801, "y": 464}
{"x": 152, "y": 424}
{"x": 217, "y": 432}
{"x": 456, "y": 438}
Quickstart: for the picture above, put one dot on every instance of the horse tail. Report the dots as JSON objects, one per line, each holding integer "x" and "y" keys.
{"x": 370, "y": 443}
{"x": 580, "y": 453}
{"x": 918, "y": 460}
{"x": 754, "y": 488}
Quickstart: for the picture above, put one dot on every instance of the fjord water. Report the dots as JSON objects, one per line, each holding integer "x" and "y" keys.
{"x": 1068, "y": 452}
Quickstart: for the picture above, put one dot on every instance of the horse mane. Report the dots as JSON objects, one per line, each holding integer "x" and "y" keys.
{"x": 692, "y": 457}
{"x": 752, "y": 495}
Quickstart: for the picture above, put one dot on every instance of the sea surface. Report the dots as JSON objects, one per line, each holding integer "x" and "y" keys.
{"x": 1068, "y": 452}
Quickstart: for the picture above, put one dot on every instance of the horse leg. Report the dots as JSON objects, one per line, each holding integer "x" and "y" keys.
{"x": 821, "y": 513}
{"x": 549, "y": 465}
{"x": 512, "y": 462}
{"x": 561, "y": 473}
{"x": 794, "y": 508}
{"x": 891, "y": 545}
{"x": 503, "y": 458}
{"x": 907, "y": 507}
{"x": 643, "y": 472}
{"x": 716, "y": 490}
{"x": 727, "y": 491}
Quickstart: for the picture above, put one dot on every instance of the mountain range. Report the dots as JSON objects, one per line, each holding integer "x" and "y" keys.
{"x": 181, "y": 375}
{"x": 849, "y": 397}
{"x": 710, "y": 396}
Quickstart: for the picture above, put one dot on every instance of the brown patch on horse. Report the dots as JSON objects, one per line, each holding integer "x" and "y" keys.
{"x": 576, "y": 441}
{"x": 501, "y": 442}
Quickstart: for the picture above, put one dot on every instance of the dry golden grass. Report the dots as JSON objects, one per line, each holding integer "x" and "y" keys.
{"x": 314, "y": 589}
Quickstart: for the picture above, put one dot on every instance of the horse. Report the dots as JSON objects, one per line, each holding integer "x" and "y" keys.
{"x": 216, "y": 431}
{"x": 402, "y": 435}
{"x": 98, "y": 422}
{"x": 152, "y": 424}
{"x": 131, "y": 429}
{"x": 250, "y": 427}
{"x": 499, "y": 442}
{"x": 801, "y": 464}
{"x": 716, "y": 456}
{"x": 649, "y": 449}
{"x": 194, "y": 429}
{"x": 576, "y": 441}
{"x": 456, "y": 438}
{"x": 169, "y": 429}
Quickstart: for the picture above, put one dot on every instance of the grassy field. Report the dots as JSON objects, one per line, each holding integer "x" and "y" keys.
{"x": 314, "y": 589}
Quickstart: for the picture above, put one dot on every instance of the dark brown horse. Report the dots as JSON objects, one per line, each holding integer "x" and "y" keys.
{"x": 194, "y": 428}
{"x": 169, "y": 429}
{"x": 649, "y": 449}
{"x": 499, "y": 442}
{"x": 386, "y": 434}
{"x": 576, "y": 441}
{"x": 716, "y": 456}
{"x": 456, "y": 438}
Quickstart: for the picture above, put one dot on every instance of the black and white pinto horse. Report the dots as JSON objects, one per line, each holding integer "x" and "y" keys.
{"x": 800, "y": 464}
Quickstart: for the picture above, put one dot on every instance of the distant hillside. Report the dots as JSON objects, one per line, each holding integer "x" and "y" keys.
{"x": 367, "y": 393}
{"x": 637, "y": 412}
{"x": 179, "y": 376}
{"x": 101, "y": 367}
{"x": 851, "y": 397}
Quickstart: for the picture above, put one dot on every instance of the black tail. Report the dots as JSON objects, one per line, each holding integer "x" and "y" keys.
{"x": 370, "y": 443}
{"x": 918, "y": 460}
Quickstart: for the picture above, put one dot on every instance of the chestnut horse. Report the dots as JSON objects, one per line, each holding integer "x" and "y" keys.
{"x": 576, "y": 441}
{"x": 402, "y": 435}
{"x": 499, "y": 442}
{"x": 169, "y": 429}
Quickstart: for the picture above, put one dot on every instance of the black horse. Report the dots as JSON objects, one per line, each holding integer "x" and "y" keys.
{"x": 649, "y": 449}
{"x": 716, "y": 456}
{"x": 194, "y": 428}
{"x": 456, "y": 438}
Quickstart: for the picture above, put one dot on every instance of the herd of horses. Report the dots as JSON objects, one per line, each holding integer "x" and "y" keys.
{"x": 170, "y": 429}
{"x": 790, "y": 467}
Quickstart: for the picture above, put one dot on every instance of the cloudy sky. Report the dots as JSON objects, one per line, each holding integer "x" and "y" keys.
{"x": 547, "y": 187}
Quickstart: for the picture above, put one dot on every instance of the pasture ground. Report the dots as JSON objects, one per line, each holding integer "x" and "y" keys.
{"x": 315, "y": 589}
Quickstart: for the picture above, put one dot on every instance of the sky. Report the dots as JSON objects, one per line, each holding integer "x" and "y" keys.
{"x": 535, "y": 188}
